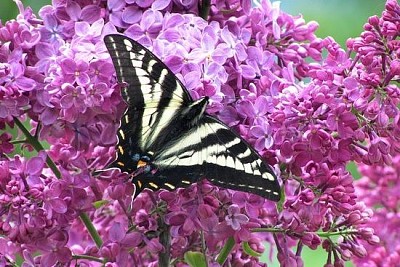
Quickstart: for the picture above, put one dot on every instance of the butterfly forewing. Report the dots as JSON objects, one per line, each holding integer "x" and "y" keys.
{"x": 183, "y": 148}
{"x": 153, "y": 93}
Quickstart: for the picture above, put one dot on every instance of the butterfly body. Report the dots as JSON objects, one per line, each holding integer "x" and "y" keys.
{"x": 168, "y": 140}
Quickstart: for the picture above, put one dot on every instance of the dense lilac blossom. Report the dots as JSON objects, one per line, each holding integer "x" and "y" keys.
{"x": 266, "y": 76}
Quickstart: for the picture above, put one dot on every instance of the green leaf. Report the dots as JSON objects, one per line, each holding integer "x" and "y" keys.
{"x": 99, "y": 203}
{"x": 249, "y": 251}
{"x": 195, "y": 259}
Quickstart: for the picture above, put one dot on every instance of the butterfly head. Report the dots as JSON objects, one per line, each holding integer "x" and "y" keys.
{"x": 144, "y": 163}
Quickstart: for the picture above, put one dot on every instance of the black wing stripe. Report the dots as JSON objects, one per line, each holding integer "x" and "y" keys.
{"x": 253, "y": 163}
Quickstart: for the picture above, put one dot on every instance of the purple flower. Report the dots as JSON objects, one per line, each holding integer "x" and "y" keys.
{"x": 89, "y": 13}
{"x": 5, "y": 145}
{"x": 343, "y": 121}
{"x": 149, "y": 27}
{"x": 16, "y": 80}
{"x": 75, "y": 71}
{"x": 73, "y": 101}
{"x": 10, "y": 106}
{"x": 263, "y": 136}
{"x": 256, "y": 111}
{"x": 47, "y": 54}
{"x": 52, "y": 32}
{"x": 100, "y": 71}
{"x": 209, "y": 51}
{"x": 234, "y": 218}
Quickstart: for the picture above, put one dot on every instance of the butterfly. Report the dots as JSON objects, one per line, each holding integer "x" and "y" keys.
{"x": 167, "y": 140}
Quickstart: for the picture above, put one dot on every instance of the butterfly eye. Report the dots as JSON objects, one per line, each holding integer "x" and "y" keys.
{"x": 145, "y": 158}
{"x": 136, "y": 157}
{"x": 147, "y": 168}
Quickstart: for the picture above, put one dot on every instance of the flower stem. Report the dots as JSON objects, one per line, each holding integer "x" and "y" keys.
{"x": 87, "y": 257}
{"x": 344, "y": 232}
{"x": 268, "y": 230}
{"x": 91, "y": 229}
{"x": 37, "y": 146}
{"x": 204, "y": 9}
{"x": 320, "y": 234}
{"x": 165, "y": 240}
{"x": 223, "y": 255}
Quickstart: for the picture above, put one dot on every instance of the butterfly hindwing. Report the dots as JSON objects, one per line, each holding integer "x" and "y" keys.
{"x": 211, "y": 150}
{"x": 183, "y": 143}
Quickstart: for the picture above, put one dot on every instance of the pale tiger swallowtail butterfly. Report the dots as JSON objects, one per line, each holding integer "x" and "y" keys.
{"x": 170, "y": 138}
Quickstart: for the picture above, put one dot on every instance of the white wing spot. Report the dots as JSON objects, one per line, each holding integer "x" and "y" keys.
{"x": 186, "y": 154}
{"x": 163, "y": 74}
{"x": 139, "y": 71}
{"x": 153, "y": 185}
{"x": 185, "y": 162}
{"x": 146, "y": 88}
{"x": 239, "y": 165}
{"x": 244, "y": 154}
{"x": 144, "y": 79}
{"x": 229, "y": 162}
{"x": 247, "y": 168}
{"x": 212, "y": 159}
{"x": 150, "y": 65}
{"x": 221, "y": 160}
{"x": 268, "y": 176}
{"x": 257, "y": 172}
{"x": 170, "y": 186}
{"x": 122, "y": 134}
{"x": 128, "y": 45}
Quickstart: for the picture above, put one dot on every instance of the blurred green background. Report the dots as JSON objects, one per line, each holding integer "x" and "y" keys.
{"x": 340, "y": 19}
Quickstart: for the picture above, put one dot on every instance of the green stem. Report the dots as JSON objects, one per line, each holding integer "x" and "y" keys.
{"x": 87, "y": 257}
{"x": 268, "y": 230}
{"x": 165, "y": 240}
{"x": 91, "y": 229}
{"x": 37, "y": 146}
{"x": 320, "y": 234}
{"x": 203, "y": 247}
{"x": 329, "y": 234}
{"x": 204, "y": 9}
{"x": 223, "y": 255}
{"x": 16, "y": 142}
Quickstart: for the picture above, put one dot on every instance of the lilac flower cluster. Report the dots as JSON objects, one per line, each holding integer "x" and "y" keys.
{"x": 266, "y": 77}
{"x": 379, "y": 187}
